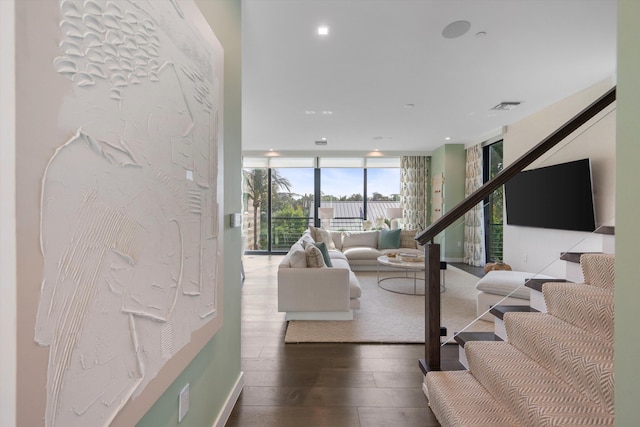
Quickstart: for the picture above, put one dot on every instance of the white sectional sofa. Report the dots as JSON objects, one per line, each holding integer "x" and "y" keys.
{"x": 311, "y": 290}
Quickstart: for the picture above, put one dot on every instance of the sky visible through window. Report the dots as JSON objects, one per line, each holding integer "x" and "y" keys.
{"x": 344, "y": 181}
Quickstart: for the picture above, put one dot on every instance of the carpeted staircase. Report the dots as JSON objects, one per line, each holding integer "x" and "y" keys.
{"x": 556, "y": 369}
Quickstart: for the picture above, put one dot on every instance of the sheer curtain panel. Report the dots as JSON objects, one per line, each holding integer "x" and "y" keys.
{"x": 474, "y": 219}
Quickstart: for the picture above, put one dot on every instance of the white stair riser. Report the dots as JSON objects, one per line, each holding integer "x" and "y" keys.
{"x": 537, "y": 301}
{"x": 609, "y": 244}
{"x": 574, "y": 272}
{"x": 462, "y": 357}
{"x": 499, "y": 329}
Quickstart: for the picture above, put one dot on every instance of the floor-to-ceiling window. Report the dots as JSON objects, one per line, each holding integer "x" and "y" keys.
{"x": 342, "y": 189}
{"x": 283, "y": 196}
{"x": 292, "y": 202}
{"x": 493, "y": 164}
{"x": 255, "y": 200}
{"x": 383, "y": 194}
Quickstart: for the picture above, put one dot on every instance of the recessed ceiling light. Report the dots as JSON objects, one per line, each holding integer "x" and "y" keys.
{"x": 323, "y": 30}
{"x": 409, "y": 105}
{"x": 327, "y": 112}
{"x": 270, "y": 149}
{"x": 448, "y": 138}
{"x": 323, "y": 138}
{"x": 481, "y": 34}
{"x": 309, "y": 112}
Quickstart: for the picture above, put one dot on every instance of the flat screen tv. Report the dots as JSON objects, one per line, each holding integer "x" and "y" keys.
{"x": 558, "y": 197}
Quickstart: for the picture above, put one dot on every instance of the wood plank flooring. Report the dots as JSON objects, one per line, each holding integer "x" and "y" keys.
{"x": 319, "y": 384}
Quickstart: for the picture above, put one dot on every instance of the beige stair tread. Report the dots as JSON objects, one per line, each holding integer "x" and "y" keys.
{"x": 599, "y": 269}
{"x": 533, "y": 394}
{"x": 583, "y": 360}
{"x": 458, "y": 399}
{"x": 588, "y": 307}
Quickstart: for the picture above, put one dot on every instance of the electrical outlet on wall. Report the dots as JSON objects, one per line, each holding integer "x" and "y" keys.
{"x": 183, "y": 402}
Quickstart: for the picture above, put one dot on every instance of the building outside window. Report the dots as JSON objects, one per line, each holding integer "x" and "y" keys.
{"x": 283, "y": 196}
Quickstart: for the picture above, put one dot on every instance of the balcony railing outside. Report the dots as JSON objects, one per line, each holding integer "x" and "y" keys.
{"x": 494, "y": 242}
{"x": 285, "y": 231}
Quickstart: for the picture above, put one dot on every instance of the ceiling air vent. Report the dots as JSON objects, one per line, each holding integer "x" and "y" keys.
{"x": 321, "y": 142}
{"x": 506, "y": 106}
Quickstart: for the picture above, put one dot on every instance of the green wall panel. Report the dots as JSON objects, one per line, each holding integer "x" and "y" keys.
{"x": 214, "y": 372}
{"x": 449, "y": 160}
{"x": 627, "y": 317}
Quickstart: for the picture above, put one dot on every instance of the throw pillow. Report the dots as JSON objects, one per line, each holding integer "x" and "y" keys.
{"x": 325, "y": 253}
{"x": 322, "y": 235}
{"x": 306, "y": 239}
{"x": 408, "y": 239}
{"x": 389, "y": 239}
{"x": 312, "y": 231}
{"x": 325, "y": 236}
{"x": 298, "y": 258}
{"x": 314, "y": 257}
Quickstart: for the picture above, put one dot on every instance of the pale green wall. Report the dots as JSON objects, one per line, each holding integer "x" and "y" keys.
{"x": 437, "y": 169}
{"x": 215, "y": 370}
{"x": 627, "y": 320}
{"x": 449, "y": 160}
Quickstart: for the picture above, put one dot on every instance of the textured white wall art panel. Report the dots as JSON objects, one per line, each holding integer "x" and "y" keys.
{"x": 129, "y": 220}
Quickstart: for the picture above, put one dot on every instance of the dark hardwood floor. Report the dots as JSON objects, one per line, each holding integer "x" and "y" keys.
{"x": 476, "y": 271}
{"x": 319, "y": 384}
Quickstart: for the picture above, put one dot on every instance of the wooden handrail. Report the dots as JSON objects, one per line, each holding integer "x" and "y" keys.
{"x": 432, "y": 360}
{"x": 514, "y": 168}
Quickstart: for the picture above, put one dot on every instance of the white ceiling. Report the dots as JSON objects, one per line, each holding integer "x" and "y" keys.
{"x": 383, "y": 54}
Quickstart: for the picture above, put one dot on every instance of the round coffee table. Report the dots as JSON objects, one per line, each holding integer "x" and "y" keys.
{"x": 398, "y": 284}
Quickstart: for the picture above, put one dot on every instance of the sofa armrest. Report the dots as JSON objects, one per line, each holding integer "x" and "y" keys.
{"x": 313, "y": 289}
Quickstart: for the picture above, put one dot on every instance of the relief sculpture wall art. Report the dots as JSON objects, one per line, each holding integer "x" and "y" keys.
{"x": 130, "y": 204}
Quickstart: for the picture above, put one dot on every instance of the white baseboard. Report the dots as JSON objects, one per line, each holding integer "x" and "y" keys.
{"x": 225, "y": 413}
{"x": 319, "y": 315}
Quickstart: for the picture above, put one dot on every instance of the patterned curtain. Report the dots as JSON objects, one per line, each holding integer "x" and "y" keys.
{"x": 414, "y": 191}
{"x": 474, "y": 219}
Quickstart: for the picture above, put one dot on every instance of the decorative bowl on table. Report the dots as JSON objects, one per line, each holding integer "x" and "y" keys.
{"x": 393, "y": 257}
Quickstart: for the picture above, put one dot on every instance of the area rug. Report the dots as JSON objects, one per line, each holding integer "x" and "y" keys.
{"x": 387, "y": 317}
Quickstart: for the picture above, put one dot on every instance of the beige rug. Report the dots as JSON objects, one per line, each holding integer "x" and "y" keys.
{"x": 387, "y": 317}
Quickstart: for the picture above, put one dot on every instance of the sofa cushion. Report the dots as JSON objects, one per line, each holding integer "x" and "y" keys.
{"x": 337, "y": 255}
{"x": 355, "y": 291}
{"x": 389, "y": 239}
{"x": 360, "y": 238}
{"x": 503, "y": 282}
{"x": 314, "y": 257}
{"x": 325, "y": 254}
{"x": 337, "y": 239}
{"x": 297, "y": 256}
{"x": 362, "y": 253}
{"x": 341, "y": 263}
